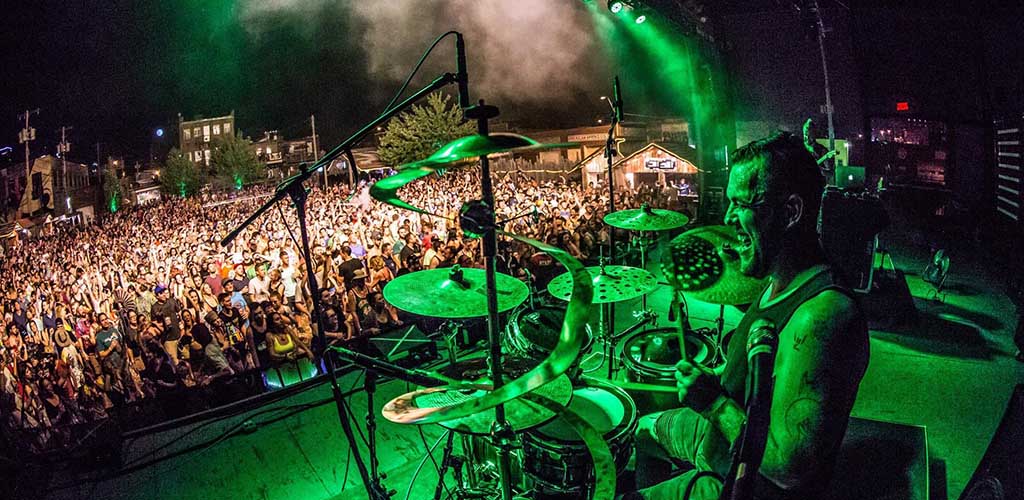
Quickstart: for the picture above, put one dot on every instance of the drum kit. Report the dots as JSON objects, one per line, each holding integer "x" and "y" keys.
{"x": 533, "y": 424}
{"x": 549, "y": 456}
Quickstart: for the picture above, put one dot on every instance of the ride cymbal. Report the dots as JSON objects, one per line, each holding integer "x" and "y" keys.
{"x": 452, "y": 293}
{"x": 646, "y": 218}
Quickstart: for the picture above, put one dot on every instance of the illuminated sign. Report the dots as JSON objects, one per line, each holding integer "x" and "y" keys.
{"x": 903, "y": 106}
{"x": 660, "y": 164}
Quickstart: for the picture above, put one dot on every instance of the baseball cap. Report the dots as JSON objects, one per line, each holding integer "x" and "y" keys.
{"x": 160, "y": 288}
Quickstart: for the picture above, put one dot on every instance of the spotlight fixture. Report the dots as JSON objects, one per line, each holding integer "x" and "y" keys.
{"x": 615, "y": 6}
{"x": 641, "y": 18}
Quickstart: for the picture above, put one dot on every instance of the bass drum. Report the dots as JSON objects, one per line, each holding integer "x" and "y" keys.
{"x": 650, "y": 357}
{"x": 557, "y": 460}
{"x": 533, "y": 333}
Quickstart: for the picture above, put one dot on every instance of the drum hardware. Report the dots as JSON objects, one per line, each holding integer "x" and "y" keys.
{"x": 449, "y": 331}
{"x": 611, "y": 284}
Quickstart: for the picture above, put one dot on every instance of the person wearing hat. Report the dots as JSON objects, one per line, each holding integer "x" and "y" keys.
{"x": 166, "y": 311}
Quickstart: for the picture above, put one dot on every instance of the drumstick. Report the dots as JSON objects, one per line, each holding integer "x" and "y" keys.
{"x": 680, "y": 326}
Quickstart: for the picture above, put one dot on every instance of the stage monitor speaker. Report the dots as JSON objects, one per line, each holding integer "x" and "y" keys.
{"x": 405, "y": 346}
{"x": 1000, "y": 475}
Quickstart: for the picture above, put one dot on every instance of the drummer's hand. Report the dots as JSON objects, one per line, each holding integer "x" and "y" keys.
{"x": 696, "y": 386}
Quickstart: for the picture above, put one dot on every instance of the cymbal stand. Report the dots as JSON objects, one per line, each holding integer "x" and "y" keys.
{"x": 501, "y": 431}
{"x": 447, "y": 461}
{"x": 450, "y": 331}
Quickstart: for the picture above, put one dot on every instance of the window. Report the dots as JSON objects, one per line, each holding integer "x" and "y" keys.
{"x": 206, "y": 130}
{"x": 216, "y": 129}
{"x": 206, "y": 153}
{"x": 198, "y": 156}
{"x": 227, "y": 128}
{"x": 188, "y": 134}
{"x": 195, "y": 132}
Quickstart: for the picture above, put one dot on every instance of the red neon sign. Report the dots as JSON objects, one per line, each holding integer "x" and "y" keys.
{"x": 903, "y": 106}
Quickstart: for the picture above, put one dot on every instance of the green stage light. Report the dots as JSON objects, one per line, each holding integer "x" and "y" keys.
{"x": 615, "y": 7}
{"x": 641, "y": 18}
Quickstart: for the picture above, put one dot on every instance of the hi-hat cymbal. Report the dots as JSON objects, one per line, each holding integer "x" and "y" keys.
{"x": 444, "y": 293}
{"x": 702, "y": 265}
{"x": 473, "y": 146}
{"x": 520, "y": 413}
{"x": 611, "y": 284}
{"x": 646, "y": 218}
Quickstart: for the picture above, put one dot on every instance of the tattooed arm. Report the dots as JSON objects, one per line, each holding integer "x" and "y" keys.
{"x": 821, "y": 359}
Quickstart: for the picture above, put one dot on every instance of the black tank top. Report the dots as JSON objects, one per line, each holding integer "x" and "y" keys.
{"x": 734, "y": 378}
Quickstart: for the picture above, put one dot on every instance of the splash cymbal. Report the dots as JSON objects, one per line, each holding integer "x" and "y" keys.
{"x": 701, "y": 264}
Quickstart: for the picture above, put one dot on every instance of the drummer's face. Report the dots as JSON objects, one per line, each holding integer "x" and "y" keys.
{"x": 751, "y": 218}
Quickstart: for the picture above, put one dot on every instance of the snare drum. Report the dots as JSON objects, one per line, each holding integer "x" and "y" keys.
{"x": 534, "y": 333}
{"x": 650, "y": 357}
{"x": 557, "y": 459}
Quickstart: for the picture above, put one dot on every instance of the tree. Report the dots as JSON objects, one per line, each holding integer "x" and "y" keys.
{"x": 233, "y": 163}
{"x": 181, "y": 177}
{"x": 421, "y": 131}
{"x": 113, "y": 192}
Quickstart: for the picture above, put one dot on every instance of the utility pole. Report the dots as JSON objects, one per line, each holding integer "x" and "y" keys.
{"x": 60, "y": 183}
{"x": 316, "y": 148}
{"x": 824, "y": 67}
{"x": 27, "y": 135}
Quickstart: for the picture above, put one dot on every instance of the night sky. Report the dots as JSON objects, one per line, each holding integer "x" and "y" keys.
{"x": 117, "y": 70}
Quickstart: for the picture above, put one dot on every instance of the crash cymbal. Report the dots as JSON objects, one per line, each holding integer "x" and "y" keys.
{"x": 703, "y": 265}
{"x": 646, "y": 218}
{"x": 473, "y": 146}
{"x": 520, "y": 413}
{"x": 452, "y": 292}
{"x": 611, "y": 284}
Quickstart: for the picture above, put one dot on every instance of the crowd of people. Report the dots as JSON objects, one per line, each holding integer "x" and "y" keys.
{"x": 146, "y": 301}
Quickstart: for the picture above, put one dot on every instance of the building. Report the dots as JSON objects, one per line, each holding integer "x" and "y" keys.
{"x": 196, "y": 137}
{"x": 268, "y": 149}
{"x": 45, "y": 180}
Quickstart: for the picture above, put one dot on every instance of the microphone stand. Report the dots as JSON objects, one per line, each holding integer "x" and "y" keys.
{"x": 609, "y": 154}
{"x": 742, "y": 478}
{"x": 293, "y": 188}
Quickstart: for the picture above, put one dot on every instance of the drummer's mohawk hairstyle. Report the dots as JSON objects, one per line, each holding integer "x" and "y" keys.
{"x": 786, "y": 167}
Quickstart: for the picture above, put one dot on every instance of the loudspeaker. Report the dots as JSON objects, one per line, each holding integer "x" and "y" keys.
{"x": 405, "y": 346}
{"x": 1000, "y": 475}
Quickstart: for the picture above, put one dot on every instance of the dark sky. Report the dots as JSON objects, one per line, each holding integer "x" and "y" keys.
{"x": 117, "y": 70}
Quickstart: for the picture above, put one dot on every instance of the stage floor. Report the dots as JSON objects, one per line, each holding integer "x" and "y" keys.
{"x": 952, "y": 371}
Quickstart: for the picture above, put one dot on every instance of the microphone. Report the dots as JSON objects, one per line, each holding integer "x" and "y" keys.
{"x": 617, "y": 100}
{"x": 761, "y": 343}
{"x": 460, "y": 71}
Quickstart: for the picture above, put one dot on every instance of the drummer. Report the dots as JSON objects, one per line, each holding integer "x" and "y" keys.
{"x": 774, "y": 194}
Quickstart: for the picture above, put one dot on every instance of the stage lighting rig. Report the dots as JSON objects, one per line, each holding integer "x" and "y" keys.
{"x": 617, "y": 6}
